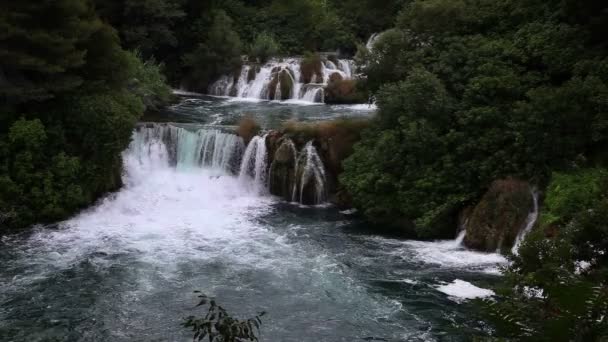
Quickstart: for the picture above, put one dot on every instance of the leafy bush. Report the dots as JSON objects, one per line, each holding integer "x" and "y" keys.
{"x": 218, "y": 326}
{"x": 463, "y": 102}
{"x": 571, "y": 193}
{"x": 340, "y": 91}
{"x": 556, "y": 288}
{"x": 148, "y": 82}
{"x": 217, "y": 53}
{"x": 264, "y": 46}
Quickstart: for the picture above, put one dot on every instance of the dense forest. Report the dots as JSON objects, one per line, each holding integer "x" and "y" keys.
{"x": 469, "y": 92}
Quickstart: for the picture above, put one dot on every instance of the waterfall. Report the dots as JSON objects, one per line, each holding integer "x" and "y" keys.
{"x": 372, "y": 41}
{"x": 314, "y": 94}
{"x": 311, "y": 172}
{"x": 264, "y": 82}
{"x": 530, "y": 221}
{"x": 460, "y": 238}
{"x": 158, "y": 145}
{"x": 253, "y": 171}
{"x": 346, "y": 67}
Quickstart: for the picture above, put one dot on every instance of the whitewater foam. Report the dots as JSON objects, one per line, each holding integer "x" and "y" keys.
{"x": 460, "y": 289}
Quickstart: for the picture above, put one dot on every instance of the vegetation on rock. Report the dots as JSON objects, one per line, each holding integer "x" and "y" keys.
{"x": 499, "y": 216}
{"x": 339, "y": 91}
{"x": 70, "y": 98}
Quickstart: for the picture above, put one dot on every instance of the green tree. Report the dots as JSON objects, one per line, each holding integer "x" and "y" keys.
{"x": 42, "y": 47}
{"x": 219, "y": 52}
{"x": 264, "y": 46}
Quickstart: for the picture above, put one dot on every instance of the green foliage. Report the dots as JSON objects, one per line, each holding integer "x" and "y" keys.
{"x": 311, "y": 68}
{"x": 145, "y": 25}
{"x": 218, "y": 53}
{"x": 72, "y": 97}
{"x": 219, "y": 326}
{"x": 474, "y": 91}
{"x": 45, "y": 59}
{"x": 340, "y": 91}
{"x": 571, "y": 193}
{"x": 264, "y": 46}
{"x": 556, "y": 288}
{"x": 148, "y": 82}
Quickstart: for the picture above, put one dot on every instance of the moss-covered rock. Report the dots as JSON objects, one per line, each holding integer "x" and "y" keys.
{"x": 311, "y": 69}
{"x": 282, "y": 169}
{"x": 253, "y": 71}
{"x": 340, "y": 91}
{"x": 272, "y": 86}
{"x": 499, "y": 216}
{"x": 286, "y": 85}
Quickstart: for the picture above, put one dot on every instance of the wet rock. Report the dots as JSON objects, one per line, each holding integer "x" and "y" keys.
{"x": 497, "y": 219}
{"x": 282, "y": 169}
{"x": 286, "y": 85}
{"x": 251, "y": 74}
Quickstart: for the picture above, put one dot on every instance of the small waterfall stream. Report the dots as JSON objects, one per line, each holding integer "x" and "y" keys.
{"x": 530, "y": 222}
{"x": 187, "y": 148}
{"x": 311, "y": 172}
{"x": 254, "y": 170}
{"x": 269, "y": 81}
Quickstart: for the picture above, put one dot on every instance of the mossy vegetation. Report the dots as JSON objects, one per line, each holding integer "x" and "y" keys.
{"x": 499, "y": 216}
{"x": 572, "y": 192}
{"x": 311, "y": 68}
{"x": 339, "y": 91}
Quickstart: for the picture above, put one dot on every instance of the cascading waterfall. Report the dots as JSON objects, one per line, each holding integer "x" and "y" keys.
{"x": 156, "y": 145}
{"x": 254, "y": 170}
{"x": 269, "y": 82}
{"x": 372, "y": 41}
{"x": 530, "y": 221}
{"x": 311, "y": 173}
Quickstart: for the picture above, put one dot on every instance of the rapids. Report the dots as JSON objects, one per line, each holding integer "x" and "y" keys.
{"x": 125, "y": 269}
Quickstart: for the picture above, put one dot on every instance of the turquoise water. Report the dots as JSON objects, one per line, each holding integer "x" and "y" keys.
{"x": 126, "y": 269}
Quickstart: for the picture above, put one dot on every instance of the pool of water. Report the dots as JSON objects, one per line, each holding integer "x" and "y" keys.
{"x": 214, "y": 110}
{"x": 126, "y": 269}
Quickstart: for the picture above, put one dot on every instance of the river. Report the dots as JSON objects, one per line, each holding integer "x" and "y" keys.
{"x": 126, "y": 269}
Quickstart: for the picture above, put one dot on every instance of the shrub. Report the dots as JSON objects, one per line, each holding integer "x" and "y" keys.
{"x": 219, "y": 326}
{"x": 340, "y": 91}
{"x": 264, "y": 47}
{"x": 570, "y": 193}
{"x": 311, "y": 68}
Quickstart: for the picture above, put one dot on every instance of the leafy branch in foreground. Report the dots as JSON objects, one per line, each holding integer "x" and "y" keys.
{"x": 219, "y": 326}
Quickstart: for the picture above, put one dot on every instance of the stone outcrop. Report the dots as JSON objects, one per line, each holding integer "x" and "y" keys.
{"x": 283, "y": 169}
{"x": 499, "y": 216}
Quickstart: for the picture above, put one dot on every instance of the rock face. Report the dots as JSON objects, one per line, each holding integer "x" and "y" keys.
{"x": 497, "y": 219}
{"x": 283, "y": 169}
{"x": 340, "y": 91}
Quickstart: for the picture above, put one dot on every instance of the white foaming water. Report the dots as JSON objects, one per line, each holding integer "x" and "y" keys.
{"x": 313, "y": 173}
{"x": 372, "y": 41}
{"x": 460, "y": 289}
{"x": 254, "y": 167}
{"x": 530, "y": 222}
{"x": 259, "y": 87}
{"x": 172, "y": 230}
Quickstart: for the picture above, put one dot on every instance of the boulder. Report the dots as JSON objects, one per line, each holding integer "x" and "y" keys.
{"x": 499, "y": 216}
{"x": 340, "y": 91}
{"x": 286, "y": 85}
{"x": 282, "y": 169}
{"x": 251, "y": 74}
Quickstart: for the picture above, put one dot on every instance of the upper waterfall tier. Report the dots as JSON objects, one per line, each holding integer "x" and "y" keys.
{"x": 282, "y": 80}
{"x": 162, "y": 145}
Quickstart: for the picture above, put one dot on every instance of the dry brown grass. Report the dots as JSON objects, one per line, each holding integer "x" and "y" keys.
{"x": 247, "y": 128}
